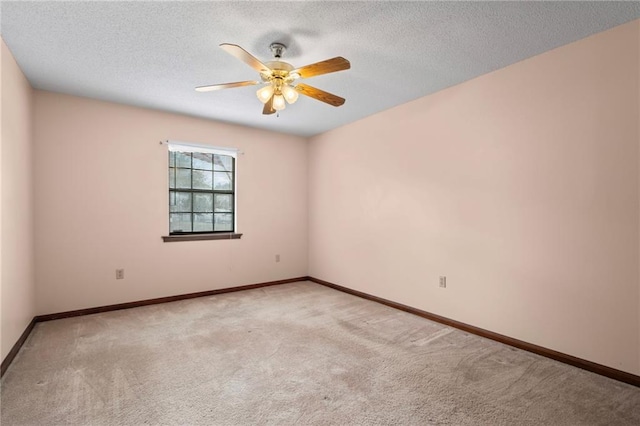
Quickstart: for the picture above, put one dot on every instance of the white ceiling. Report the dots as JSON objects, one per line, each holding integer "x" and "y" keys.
{"x": 153, "y": 54}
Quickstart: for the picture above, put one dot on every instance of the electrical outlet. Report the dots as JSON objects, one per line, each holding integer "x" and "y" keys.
{"x": 119, "y": 274}
{"x": 443, "y": 282}
{"x": 277, "y": 258}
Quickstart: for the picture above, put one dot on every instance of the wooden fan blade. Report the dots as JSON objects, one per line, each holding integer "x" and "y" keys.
{"x": 320, "y": 95}
{"x": 225, "y": 86}
{"x": 245, "y": 57}
{"x": 268, "y": 107}
{"x": 330, "y": 65}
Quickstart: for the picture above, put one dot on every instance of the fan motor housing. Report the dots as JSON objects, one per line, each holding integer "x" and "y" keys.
{"x": 279, "y": 66}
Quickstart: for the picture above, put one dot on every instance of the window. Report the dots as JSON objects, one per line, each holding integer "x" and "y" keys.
{"x": 201, "y": 190}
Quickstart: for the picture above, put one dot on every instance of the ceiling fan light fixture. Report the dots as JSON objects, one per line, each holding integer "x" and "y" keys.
{"x": 278, "y": 78}
{"x": 278, "y": 103}
{"x": 265, "y": 93}
{"x": 290, "y": 94}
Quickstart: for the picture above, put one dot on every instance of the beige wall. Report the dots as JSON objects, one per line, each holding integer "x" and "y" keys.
{"x": 17, "y": 274}
{"x": 102, "y": 203}
{"x": 520, "y": 186}
{"x": 638, "y": 124}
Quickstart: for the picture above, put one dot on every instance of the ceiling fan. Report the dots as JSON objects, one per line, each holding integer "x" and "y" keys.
{"x": 278, "y": 78}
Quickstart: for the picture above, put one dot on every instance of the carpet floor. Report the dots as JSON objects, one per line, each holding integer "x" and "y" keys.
{"x": 292, "y": 354}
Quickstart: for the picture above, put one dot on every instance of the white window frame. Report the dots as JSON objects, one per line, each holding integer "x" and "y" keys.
{"x": 180, "y": 146}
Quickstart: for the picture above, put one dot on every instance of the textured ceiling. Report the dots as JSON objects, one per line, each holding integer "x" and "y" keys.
{"x": 153, "y": 54}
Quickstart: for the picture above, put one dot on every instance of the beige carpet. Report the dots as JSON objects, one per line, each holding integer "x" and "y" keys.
{"x": 292, "y": 354}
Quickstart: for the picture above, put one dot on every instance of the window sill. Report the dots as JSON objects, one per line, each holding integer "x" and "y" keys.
{"x": 200, "y": 237}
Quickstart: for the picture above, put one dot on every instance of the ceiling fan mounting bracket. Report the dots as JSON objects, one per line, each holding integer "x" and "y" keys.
{"x": 277, "y": 49}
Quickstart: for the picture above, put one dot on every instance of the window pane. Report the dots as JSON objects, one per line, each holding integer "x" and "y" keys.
{"x": 203, "y": 202}
{"x": 223, "y": 222}
{"x": 204, "y": 210}
{"x": 224, "y": 203}
{"x": 202, "y": 222}
{"x": 222, "y": 181}
{"x": 202, "y": 180}
{"x": 180, "y": 201}
{"x": 180, "y": 222}
{"x": 202, "y": 161}
{"x": 172, "y": 178}
{"x": 183, "y": 178}
{"x": 183, "y": 159}
{"x": 223, "y": 163}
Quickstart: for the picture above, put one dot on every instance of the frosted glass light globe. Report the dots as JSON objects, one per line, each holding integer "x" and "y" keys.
{"x": 278, "y": 102}
{"x": 265, "y": 94}
{"x": 290, "y": 94}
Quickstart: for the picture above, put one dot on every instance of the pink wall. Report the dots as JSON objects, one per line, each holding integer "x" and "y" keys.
{"x": 102, "y": 203}
{"x": 520, "y": 186}
{"x": 17, "y": 274}
{"x": 638, "y": 130}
